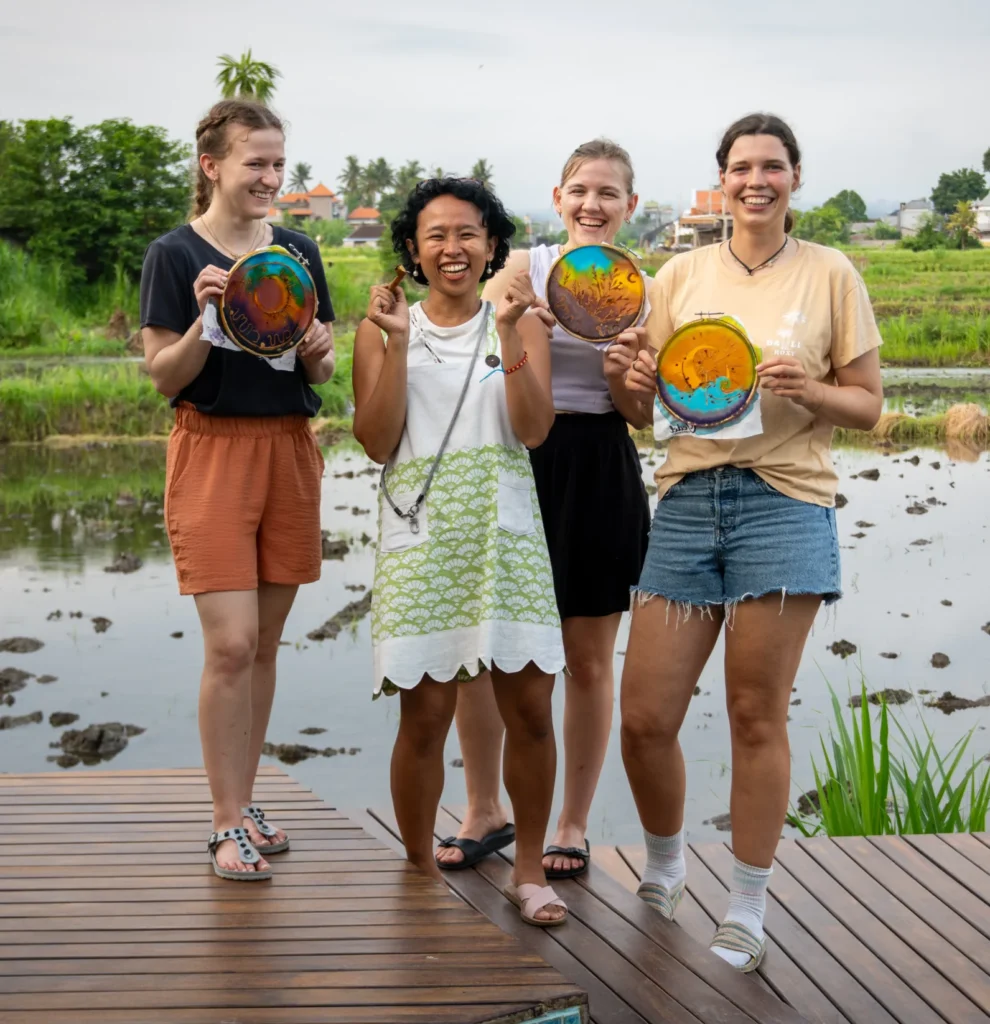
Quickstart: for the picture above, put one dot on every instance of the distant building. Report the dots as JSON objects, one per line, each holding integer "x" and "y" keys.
{"x": 364, "y": 234}
{"x": 318, "y": 203}
{"x": 707, "y": 220}
{"x": 909, "y": 217}
{"x": 364, "y": 215}
{"x": 982, "y": 210}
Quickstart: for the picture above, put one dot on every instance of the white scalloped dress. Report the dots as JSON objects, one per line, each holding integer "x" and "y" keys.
{"x": 474, "y": 586}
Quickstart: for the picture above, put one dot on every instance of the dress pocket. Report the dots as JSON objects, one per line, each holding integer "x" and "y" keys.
{"x": 515, "y": 504}
{"x": 398, "y": 532}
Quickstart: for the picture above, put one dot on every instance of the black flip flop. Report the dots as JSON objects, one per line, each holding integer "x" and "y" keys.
{"x": 569, "y": 851}
{"x": 474, "y": 851}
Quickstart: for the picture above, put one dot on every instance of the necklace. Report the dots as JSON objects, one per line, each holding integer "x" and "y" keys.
{"x": 766, "y": 263}
{"x": 224, "y": 249}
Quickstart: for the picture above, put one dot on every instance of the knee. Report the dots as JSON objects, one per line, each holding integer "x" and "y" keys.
{"x": 531, "y": 718}
{"x": 755, "y": 723}
{"x": 424, "y": 732}
{"x": 589, "y": 673}
{"x": 231, "y": 655}
{"x": 643, "y": 729}
{"x": 267, "y": 649}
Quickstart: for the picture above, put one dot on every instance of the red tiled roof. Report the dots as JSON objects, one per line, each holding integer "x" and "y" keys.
{"x": 300, "y": 211}
{"x": 363, "y": 213}
{"x": 321, "y": 190}
{"x": 293, "y": 197}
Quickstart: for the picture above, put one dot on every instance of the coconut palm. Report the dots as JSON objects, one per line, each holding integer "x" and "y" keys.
{"x": 962, "y": 224}
{"x": 482, "y": 172}
{"x": 407, "y": 177}
{"x": 299, "y": 179}
{"x": 351, "y": 181}
{"x": 378, "y": 176}
{"x": 247, "y": 77}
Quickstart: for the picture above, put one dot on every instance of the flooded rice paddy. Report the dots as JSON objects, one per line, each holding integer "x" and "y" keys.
{"x": 122, "y": 647}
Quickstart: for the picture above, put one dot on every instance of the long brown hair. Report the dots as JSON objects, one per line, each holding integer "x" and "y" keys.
{"x": 598, "y": 149}
{"x": 213, "y": 137}
{"x": 760, "y": 124}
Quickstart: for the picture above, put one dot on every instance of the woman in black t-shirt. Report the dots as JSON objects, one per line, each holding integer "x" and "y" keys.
{"x": 242, "y": 486}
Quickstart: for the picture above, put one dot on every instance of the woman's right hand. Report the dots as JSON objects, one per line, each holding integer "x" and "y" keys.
{"x": 389, "y": 311}
{"x": 210, "y": 284}
{"x": 641, "y": 377}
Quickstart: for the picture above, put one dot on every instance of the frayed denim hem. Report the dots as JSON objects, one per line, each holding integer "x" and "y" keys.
{"x": 639, "y": 596}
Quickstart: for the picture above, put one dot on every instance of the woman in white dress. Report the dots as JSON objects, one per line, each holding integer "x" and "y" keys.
{"x": 448, "y": 402}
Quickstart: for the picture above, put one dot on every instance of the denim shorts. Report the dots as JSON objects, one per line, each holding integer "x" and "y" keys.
{"x": 722, "y": 535}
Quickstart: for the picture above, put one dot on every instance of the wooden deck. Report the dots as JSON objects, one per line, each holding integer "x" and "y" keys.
{"x": 110, "y": 913}
{"x": 861, "y": 931}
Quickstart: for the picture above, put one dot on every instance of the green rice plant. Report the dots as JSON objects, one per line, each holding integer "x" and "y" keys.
{"x": 864, "y": 790}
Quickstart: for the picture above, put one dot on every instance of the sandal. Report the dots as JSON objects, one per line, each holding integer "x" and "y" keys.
{"x": 257, "y": 815}
{"x": 736, "y": 936}
{"x": 530, "y": 898}
{"x": 661, "y": 898}
{"x": 245, "y": 851}
{"x": 474, "y": 850}
{"x": 568, "y": 851}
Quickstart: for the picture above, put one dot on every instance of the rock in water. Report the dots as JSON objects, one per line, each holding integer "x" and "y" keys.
{"x": 843, "y": 648}
{"x": 889, "y": 696}
{"x": 869, "y": 474}
{"x": 335, "y": 549}
{"x": 101, "y": 624}
{"x": 60, "y": 719}
{"x": 124, "y": 563}
{"x": 98, "y": 742}
{"x": 13, "y": 721}
{"x": 721, "y": 821}
{"x": 841, "y": 501}
{"x": 21, "y": 645}
{"x": 352, "y": 612}
{"x": 939, "y": 660}
{"x": 13, "y": 679}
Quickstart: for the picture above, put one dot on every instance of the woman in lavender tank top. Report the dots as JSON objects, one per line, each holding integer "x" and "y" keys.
{"x": 596, "y": 516}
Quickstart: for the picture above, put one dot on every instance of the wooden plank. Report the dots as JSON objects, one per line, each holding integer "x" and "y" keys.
{"x": 877, "y": 933}
{"x": 80, "y": 809}
{"x": 970, "y": 848}
{"x": 606, "y": 1006}
{"x": 323, "y": 892}
{"x": 327, "y": 885}
{"x": 936, "y": 881}
{"x": 609, "y": 860}
{"x": 964, "y": 871}
{"x": 904, "y": 921}
{"x": 841, "y": 995}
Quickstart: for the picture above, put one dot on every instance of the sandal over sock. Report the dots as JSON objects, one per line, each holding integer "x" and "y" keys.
{"x": 747, "y": 905}
{"x": 665, "y": 864}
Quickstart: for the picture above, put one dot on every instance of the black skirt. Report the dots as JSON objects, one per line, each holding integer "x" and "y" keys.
{"x": 595, "y": 512}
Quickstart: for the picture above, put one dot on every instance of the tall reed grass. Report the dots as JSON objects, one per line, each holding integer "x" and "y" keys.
{"x": 864, "y": 788}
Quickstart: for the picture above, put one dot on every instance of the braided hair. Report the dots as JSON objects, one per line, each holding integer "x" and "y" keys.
{"x": 213, "y": 137}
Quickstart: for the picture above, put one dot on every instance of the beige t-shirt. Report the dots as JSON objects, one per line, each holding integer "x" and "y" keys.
{"x": 813, "y": 307}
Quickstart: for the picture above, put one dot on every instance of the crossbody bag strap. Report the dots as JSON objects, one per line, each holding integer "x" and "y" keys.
{"x": 412, "y": 513}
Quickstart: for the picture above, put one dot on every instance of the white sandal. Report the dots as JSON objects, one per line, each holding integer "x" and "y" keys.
{"x": 245, "y": 851}
{"x": 531, "y": 898}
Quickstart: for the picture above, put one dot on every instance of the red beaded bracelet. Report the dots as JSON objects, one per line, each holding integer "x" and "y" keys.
{"x": 522, "y": 362}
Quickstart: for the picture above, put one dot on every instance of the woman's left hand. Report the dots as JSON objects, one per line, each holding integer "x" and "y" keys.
{"x": 621, "y": 354}
{"x": 785, "y": 377}
{"x": 317, "y": 343}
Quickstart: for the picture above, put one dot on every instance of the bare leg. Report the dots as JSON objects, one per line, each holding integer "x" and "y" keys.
{"x": 480, "y": 730}
{"x": 530, "y": 768}
{"x": 762, "y": 654}
{"x": 417, "y": 767}
{"x": 664, "y": 661}
{"x": 230, "y": 638}
{"x": 274, "y": 604}
{"x": 589, "y": 645}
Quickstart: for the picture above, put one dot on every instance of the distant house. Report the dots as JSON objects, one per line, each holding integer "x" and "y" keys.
{"x": 982, "y": 210}
{"x": 707, "y": 220}
{"x": 909, "y": 217}
{"x": 318, "y": 203}
{"x": 364, "y": 215}
{"x": 364, "y": 234}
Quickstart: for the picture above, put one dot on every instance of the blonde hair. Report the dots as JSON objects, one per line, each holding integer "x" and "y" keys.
{"x": 598, "y": 149}
{"x": 213, "y": 138}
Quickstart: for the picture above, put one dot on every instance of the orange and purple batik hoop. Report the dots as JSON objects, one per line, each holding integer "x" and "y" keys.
{"x": 269, "y": 302}
{"x": 595, "y": 292}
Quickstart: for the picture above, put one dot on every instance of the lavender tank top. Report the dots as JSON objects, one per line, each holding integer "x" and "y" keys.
{"x": 577, "y": 368}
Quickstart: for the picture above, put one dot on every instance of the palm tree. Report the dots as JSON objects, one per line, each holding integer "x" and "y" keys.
{"x": 482, "y": 172}
{"x": 351, "y": 181}
{"x": 378, "y": 176}
{"x": 407, "y": 178}
{"x": 252, "y": 79}
{"x": 438, "y": 172}
{"x": 299, "y": 180}
{"x": 962, "y": 223}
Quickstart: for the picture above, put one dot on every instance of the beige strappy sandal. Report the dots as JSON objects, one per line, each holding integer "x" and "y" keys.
{"x": 531, "y": 898}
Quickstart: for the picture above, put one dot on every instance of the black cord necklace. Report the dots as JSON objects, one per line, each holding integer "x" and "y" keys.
{"x": 752, "y": 270}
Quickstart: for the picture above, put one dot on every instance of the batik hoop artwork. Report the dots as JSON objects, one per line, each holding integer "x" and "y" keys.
{"x": 706, "y": 372}
{"x": 269, "y": 302}
{"x": 595, "y": 292}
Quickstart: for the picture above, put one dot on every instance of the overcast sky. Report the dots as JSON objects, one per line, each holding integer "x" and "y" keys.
{"x": 883, "y": 95}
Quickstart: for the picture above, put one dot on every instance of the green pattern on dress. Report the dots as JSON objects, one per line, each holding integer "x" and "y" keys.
{"x": 470, "y": 570}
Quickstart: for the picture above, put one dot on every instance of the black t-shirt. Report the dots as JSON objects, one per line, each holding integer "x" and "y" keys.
{"x": 230, "y": 383}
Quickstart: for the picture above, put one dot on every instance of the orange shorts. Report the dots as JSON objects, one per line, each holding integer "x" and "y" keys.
{"x": 242, "y": 501}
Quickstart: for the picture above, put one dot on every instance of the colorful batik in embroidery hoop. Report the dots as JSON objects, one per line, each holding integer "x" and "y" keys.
{"x": 595, "y": 292}
{"x": 269, "y": 302}
{"x": 706, "y": 373}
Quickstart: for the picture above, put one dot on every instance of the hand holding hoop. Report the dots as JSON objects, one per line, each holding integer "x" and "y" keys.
{"x": 641, "y": 376}
{"x": 208, "y": 285}
{"x": 621, "y": 354}
{"x": 316, "y": 344}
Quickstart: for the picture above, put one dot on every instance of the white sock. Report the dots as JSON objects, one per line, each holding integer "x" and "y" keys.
{"x": 747, "y": 905}
{"x": 665, "y": 864}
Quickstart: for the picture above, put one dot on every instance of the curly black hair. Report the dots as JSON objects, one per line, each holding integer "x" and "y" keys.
{"x": 493, "y": 216}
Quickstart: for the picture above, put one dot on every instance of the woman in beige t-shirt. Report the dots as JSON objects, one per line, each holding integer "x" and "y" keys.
{"x": 744, "y": 532}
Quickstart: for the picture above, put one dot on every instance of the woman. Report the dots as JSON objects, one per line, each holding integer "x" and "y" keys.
{"x": 242, "y": 487}
{"x": 744, "y": 532}
{"x": 449, "y": 401}
{"x": 596, "y": 515}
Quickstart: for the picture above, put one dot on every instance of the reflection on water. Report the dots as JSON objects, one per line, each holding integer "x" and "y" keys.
{"x": 914, "y": 585}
